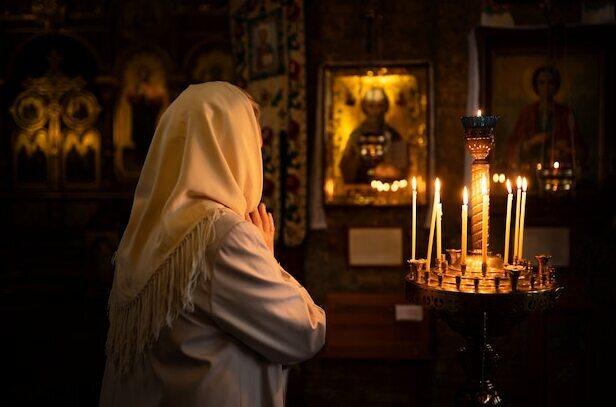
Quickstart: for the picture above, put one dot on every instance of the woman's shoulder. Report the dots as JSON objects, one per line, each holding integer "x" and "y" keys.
{"x": 231, "y": 230}
{"x": 230, "y": 222}
{"x": 227, "y": 219}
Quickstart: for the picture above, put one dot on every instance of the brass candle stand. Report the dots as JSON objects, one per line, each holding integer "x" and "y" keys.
{"x": 482, "y": 303}
{"x": 480, "y": 300}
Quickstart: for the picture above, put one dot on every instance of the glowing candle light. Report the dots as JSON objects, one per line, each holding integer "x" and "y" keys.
{"x": 508, "y": 222}
{"x": 437, "y": 194}
{"x": 439, "y": 221}
{"x": 478, "y": 112}
{"x": 522, "y": 215}
{"x": 464, "y": 225}
{"x": 484, "y": 221}
{"x": 414, "y": 231}
{"x": 516, "y": 233}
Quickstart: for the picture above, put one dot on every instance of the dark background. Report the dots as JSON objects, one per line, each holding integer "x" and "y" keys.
{"x": 55, "y": 271}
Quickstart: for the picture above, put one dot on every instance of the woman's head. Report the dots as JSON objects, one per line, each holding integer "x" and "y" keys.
{"x": 208, "y": 144}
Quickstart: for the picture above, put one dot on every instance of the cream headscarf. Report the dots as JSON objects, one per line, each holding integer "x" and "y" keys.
{"x": 205, "y": 154}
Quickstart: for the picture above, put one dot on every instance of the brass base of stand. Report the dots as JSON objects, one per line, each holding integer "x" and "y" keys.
{"x": 478, "y": 390}
{"x": 479, "y": 316}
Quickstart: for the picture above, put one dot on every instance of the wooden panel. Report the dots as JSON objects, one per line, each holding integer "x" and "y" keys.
{"x": 364, "y": 325}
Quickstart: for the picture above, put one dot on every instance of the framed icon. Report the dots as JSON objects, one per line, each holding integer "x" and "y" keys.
{"x": 376, "y": 130}
{"x": 550, "y": 99}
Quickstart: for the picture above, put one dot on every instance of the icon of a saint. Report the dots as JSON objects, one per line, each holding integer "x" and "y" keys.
{"x": 375, "y": 150}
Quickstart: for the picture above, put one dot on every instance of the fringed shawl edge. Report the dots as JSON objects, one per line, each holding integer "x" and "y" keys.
{"x": 135, "y": 326}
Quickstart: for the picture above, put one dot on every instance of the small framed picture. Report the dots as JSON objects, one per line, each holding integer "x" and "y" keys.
{"x": 266, "y": 46}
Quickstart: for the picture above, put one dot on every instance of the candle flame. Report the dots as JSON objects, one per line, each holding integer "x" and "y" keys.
{"x": 484, "y": 185}
{"x": 524, "y": 184}
{"x": 414, "y": 183}
{"x": 508, "y": 186}
{"x": 556, "y": 164}
{"x": 437, "y": 185}
{"x": 478, "y": 112}
{"x": 465, "y": 196}
{"x": 519, "y": 182}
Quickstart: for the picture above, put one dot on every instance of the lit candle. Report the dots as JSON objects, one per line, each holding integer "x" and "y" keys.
{"x": 439, "y": 221}
{"x": 464, "y": 224}
{"x": 521, "y": 245}
{"x": 508, "y": 222}
{"x": 437, "y": 193}
{"x": 484, "y": 221}
{"x": 516, "y": 232}
{"x": 478, "y": 112}
{"x": 414, "y": 231}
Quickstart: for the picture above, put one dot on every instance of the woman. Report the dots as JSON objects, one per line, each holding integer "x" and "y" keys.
{"x": 200, "y": 312}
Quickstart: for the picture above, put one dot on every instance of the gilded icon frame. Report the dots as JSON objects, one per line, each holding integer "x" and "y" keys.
{"x": 347, "y": 91}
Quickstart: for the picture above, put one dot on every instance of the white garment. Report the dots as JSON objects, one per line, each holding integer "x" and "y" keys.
{"x": 251, "y": 319}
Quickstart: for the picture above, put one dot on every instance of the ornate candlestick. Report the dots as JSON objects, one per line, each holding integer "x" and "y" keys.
{"x": 479, "y": 137}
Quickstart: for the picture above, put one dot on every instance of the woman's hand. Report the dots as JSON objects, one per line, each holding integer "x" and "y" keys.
{"x": 265, "y": 222}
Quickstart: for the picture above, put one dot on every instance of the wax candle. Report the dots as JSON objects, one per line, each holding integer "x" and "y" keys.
{"x": 414, "y": 231}
{"x": 522, "y": 215}
{"x": 508, "y": 222}
{"x": 516, "y": 233}
{"x": 437, "y": 194}
{"x": 439, "y": 221}
{"x": 464, "y": 225}
{"x": 484, "y": 221}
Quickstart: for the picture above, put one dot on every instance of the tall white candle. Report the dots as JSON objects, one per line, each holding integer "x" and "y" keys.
{"x": 439, "y": 221}
{"x": 508, "y": 222}
{"x": 437, "y": 194}
{"x": 484, "y": 221}
{"x": 516, "y": 233}
{"x": 414, "y": 225}
{"x": 522, "y": 215}
{"x": 464, "y": 225}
